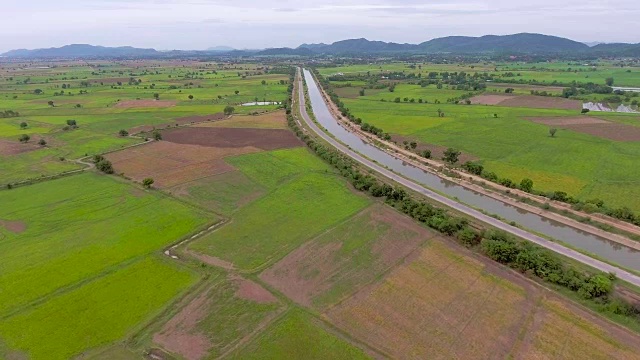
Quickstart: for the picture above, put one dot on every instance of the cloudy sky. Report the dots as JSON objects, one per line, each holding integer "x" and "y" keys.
{"x": 199, "y": 24}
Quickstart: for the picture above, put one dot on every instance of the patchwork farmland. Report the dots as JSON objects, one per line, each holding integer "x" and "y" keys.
{"x": 246, "y": 244}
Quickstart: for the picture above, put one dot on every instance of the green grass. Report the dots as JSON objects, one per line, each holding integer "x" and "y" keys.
{"x": 582, "y": 165}
{"x": 97, "y": 313}
{"x": 306, "y": 197}
{"x": 299, "y": 336}
{"x": 79, "y": 227}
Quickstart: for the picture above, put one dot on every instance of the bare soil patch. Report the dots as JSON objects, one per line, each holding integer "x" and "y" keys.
{"x": 339, "y": 262}
{"x": 264, "y": 139}
{"x": 437, "y": 151}
{"x": 145, "y": 104}
{"x": 611, "y": 131}
{"x": 8, "y": 147}
{"x": 13, "y": 226}
{"x": 271, "y": 120}
{"x": 211, "y": 260}
{"x": 487, "y": 99}
{"x": 561, "y": 121}
{"x": 593, "y": 126}
{"x": 180, "y": 334}
{"x": 171, "y": 164}
{"x": 542, "y": 102}
{"x": 249, "y": 290}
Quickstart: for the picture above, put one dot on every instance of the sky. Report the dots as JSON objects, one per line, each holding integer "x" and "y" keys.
{"x": 253, "y": 24}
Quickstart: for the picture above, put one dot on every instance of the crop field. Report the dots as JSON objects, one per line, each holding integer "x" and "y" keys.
{"x": 299, "y": 336}
{"x": 360, "y": 250}
{"x": 106, "y": 97}
{"x": 97, "y": 312}
{"x": 218, "y": 318}
{"x": 585, "y": 160}
{"x": 447, "y": 305}
{"x": 301, "y": 190}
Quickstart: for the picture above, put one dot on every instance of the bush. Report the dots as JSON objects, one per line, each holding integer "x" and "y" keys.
{"x": 105, "y": 166}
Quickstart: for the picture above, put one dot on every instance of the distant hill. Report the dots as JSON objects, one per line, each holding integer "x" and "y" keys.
{"x": 517, "y": 43}
{"x": 631, "y": 50}
{"x": 82, "y": 51}
{"x": 286, "y": 52}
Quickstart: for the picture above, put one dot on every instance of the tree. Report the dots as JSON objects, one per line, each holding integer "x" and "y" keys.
{"x": 190, "y": 97}
{"x": 156, "y": 96}
{"x": 37, "y": 91}
{"x": 157, "y": 136}
{"x": 584, "y": 111}
{"x": 228, "y": 110}
{"x": 397, "y": 100}
{"x": 72, "y": 123}
{"x": 451, "y": 155}
{"x": 237, "y": 92}
{"x": 23, "y": 125}
{"x": 50, "y": 103}
{"x": 609, "y": 81}
{"x": 24, "y": 138}
{"x": 426, "y": 154}
{"x": 147, "y": 183}
{"x": 105, "y": 166}
{"x": 552, "y": 132}
{"x": 264, "y": 82}
{"x": 413, "y": 144}
{"x": 123, "y": 132}
{"x": 361, "y": 92}
{"x": 42, "y": 142}
{"x": 526, "y": 184}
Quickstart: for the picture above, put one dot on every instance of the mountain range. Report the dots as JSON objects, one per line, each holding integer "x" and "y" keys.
{"x": 523, "y": 43}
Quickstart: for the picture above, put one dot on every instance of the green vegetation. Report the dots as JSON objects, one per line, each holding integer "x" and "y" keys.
{"x": 299, "y": 336}
{"x": 96, "y": 313}
{"x": 77, "y": 228}
{"x": 301, "y": 191}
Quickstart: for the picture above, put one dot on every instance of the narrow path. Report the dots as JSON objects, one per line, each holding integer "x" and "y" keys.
{"x": 558, "y": 248}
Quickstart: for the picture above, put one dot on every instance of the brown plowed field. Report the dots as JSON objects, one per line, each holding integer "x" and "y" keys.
{"x": 528, "y": 101}
{"x": 264, "y": 139}
{"x": 488, "y": 99}
{"x": 339, "y": 262}
{"x": 272, "y": 120}
{"x": 8, "y": 147}
{"x": 13, "y": 226}
{"x": 145, "y": 103}
{"x": 593, "y": 126}
{"x": 542, "y": 102}
{"x": 171, "y": 164}
{"x": 562, "y": 121}
{"x": 448, "y": 305}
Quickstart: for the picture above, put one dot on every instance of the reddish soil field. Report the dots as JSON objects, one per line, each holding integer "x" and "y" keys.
{"x": 171, "y": 164}
{"x": 249, "y": 290}
{"x": 542, "y": 102}
{"x": 145, "y": 104}
{"x": 487, "y": 99}
{"x": 561, "y": 121}
{"x": 593, "y": 126}
{"x": 13, "y": 226}
{"x": 179, "y": 121}
{"x": 180, "y": 334}
{"x": 8, "y": 147}
{"x": 323, "y": 266}
{"x": 265, "y": 139}
{"x": 611, "y": 131}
